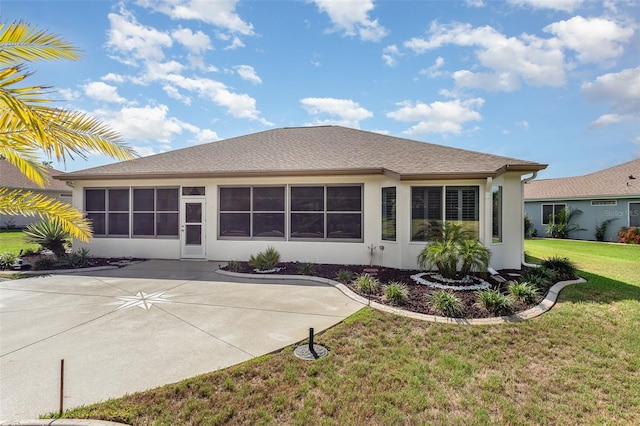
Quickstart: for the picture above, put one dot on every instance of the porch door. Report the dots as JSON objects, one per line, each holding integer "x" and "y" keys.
{"x": 192, "y": 228}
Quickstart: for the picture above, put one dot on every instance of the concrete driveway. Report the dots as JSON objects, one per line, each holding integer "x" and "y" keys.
{"x": 142, "y": 326}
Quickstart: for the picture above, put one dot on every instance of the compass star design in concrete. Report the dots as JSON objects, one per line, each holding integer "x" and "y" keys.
{"x": 144, "y": 300}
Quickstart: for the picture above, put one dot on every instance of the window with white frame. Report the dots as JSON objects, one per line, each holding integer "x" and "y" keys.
{"x": 496, "y": 214}
{"x": 550, "y": 211}
{"x": 247, "y": 212}
{"x": 389, "y": 213}
{"x": 634, "y": 214}
{"x": 596, "y": 203}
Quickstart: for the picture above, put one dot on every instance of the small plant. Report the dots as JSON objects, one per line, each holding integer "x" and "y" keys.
{"x": 49, "y": 234}
{"x": 528, "y": 226}
{"x": 447, "y": 304}
{"x": 44, "y": 263}
{"x": 562, "y": 267}
{"x": 541, "y": 277}
{"x": 523, "y": 291}
{"x": 344, "y": 276}
{"x": 7, "y": 260}
{"x": 306, "y": 268}
{"x": 601, "y": 229}
{"x": 494, "y": 301}
{"x": 560, "y": 226}
{"x": 10, "y": 224}
{"x": 365, "y": 283}
{"x": 265, "y": 260}
{"x": 629, "y": 235}
{"x": 234, "y": 266}
{"x": 396, "y": 293}
{"x": 77, "y": 259}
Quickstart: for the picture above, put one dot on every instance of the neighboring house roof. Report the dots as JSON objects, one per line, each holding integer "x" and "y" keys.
{"x": 321, "y": 150}
{"x": 11, "y": 177}
{"x": 618, "y": 181}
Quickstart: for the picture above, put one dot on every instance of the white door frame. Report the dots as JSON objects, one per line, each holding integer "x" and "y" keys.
{"x": 193, "y": 227}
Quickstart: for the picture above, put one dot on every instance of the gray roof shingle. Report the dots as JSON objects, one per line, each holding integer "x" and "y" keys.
{"x": 320, "y": 150}
{"x": 612, "y": 182}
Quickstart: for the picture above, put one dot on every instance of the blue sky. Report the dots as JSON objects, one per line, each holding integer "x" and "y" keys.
{"x": 552, "y": 81}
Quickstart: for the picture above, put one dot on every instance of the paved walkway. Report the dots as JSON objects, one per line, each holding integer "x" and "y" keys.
{"x": 142, "y": 326}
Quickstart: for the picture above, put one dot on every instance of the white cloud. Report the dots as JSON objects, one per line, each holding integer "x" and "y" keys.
{"x": 434, "y": 70}
{"x": 205, "y": 136}
{"x": 221, "y": 13}
{"x": 135, "y": 41}
{"x": 621, "y": 91}
{"x": 438, "y": 117}
{"x": 349, "y": 113}
{"x": 148, "y": 123}
{"x": 390, "y": 55}
{"x": 103, "y": 92}
{"x": 196, "y": 43}
{"x": 67, "y": 94}
{"x": 114, "y": 78}
{"x": 352, "y": 17}
{"x": 235, "y": 44}
{"x": 145, "y": 151}
{"x": 594, "y": 39}
{"x": 562, "y": 5}
{"x": 248, "y": 73}
{"x": 474, "y": 3}
{"x": 174, "y": 93}
{"x": 523, "y": 124}
{"x": 509, "y": 60}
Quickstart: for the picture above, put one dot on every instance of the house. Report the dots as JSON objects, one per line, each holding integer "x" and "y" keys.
{"x": 611, "y": 194}
{"x": 12, "y": 178}
{"x": 325, "y": 194}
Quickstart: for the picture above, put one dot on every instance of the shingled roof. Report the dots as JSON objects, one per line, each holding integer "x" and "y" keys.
{"x": 618, "y": 181}
{"x": 304, "y": 151}
{"x": 10, "y": 177}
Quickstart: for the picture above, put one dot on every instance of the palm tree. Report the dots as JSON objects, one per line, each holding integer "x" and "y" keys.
{"x": 30, "y": 129}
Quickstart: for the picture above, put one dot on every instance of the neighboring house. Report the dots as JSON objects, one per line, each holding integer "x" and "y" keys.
{"x": 612, "y": 193}
{"x": 12, "y": 178}
{"x": 324, "y": 194}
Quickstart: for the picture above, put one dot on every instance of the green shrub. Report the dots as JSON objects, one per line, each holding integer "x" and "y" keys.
{"x": 265, "y": 260}
{"x": 494, "y": 302}
{"x": 541, "y": 277}
{"x": 306, "y": 268}
{"x": 601, "y": 229}
{"x": 43, "y": 263}
{"x": 76, "y": 259}
{"x": 523, "y": 291}
{"x": 396, "y": 293}
{"x": 344, "y": 276}
{"x": 365, "y": 283}
{"x": 234, "y": 266}
{"x": 560, "y": 226}
{"x": 7, "y": 259}
{"x": 528, "y": 226}
{"x": 447, "y": 304}
{"x": 562, "y": 267}
{"x": 49, "y": 234}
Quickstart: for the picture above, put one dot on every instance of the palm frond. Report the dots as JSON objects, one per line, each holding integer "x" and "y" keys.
{"x": 25, "y": 158}
{"x": 27, "y": 203}
{"x": 21, "y": 42}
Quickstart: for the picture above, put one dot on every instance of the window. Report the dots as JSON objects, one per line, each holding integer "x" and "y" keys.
{"x": 155, "y": 212}
{"x": 430, "y": 206}
{"x": 252, "y": 212}
{"x": 634, "y": 214}
{"x": 193, "y": 190}
{"x": 150, "y": 211}
{"x": 426, "y": 212}
{"x": 389, "y": 214}
{"x": 108, "y": 211}
{"x": 550, "y": 211}
{"x": 326, "y": 212}
{"x": 595, "y": 203}
{"x": 496, "y": 221}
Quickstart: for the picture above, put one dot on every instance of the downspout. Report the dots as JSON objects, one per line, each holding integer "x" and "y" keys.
{"x": 524, "y": 181}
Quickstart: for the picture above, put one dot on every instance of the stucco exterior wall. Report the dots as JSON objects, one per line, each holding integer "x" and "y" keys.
{"x": 589, "y": 219}
{"x": 401, "y": 253}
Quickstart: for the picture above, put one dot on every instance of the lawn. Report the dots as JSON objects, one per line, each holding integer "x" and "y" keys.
{"x": 12, "y": 241}
{"x": 577, "y": 364}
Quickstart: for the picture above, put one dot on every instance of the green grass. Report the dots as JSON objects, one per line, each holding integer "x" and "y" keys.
{"x": 577, "y": 364}
{"x": 12, "y": 241}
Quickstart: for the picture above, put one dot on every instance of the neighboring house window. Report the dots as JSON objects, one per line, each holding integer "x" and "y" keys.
{"x": 108, "y": 211}
{"x": 595, "y": 203}
{"x": 252, "y": 211}
{"x": 496, "y": 221}
{"x": 550, "y": 211}
{"x": 634, "y": 214}
{"x": 326, "y": 212}
{"x": 155, "y": 212}
{"x": 389, "y": 213}
{"x": 430, "y": 206}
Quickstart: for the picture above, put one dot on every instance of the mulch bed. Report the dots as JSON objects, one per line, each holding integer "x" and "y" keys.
{"x": 419, "y": 295}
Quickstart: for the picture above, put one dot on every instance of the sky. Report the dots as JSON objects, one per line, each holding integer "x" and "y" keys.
{"x": 551, "y": 81}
